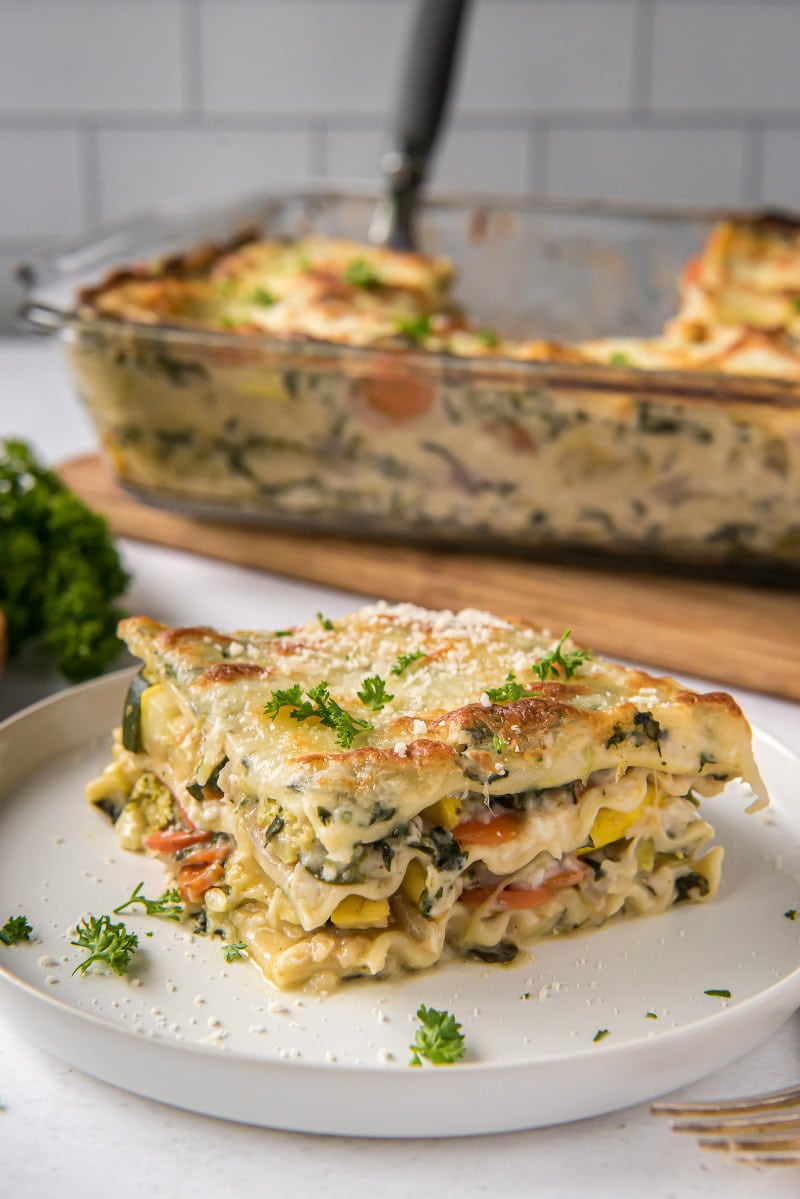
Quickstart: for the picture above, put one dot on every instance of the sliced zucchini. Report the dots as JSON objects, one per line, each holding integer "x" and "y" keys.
{"x": 132, "y": 714}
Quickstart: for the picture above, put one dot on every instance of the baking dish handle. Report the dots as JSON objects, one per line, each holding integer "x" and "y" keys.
{"x": 44, "y": 319}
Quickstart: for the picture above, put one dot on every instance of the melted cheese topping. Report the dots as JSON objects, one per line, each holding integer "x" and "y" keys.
{"x": 432, "y": 824}
{"x": 739, "y": 302}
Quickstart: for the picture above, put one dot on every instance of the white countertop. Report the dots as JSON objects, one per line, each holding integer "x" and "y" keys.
{"x": 63, "y": 1132}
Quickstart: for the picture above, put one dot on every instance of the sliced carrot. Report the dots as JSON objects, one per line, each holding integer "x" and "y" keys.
{"x": 513, "y": 899}
{"x": 502, "y": 827}
{"x": 518, "y": 899}
{"x": 203, "y": 857}
{"x": 170, "y": 840}
{"x": 567, "y": 878}
{"x": 399, "y": 397}
{"x": 194, "y": 881}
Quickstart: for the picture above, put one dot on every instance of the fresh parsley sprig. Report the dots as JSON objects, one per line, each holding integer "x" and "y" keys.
{"x": 510, "y": 689}
{"x": 168, "y": 905}
{"x": 439, "y": 1038}
{"x": 415, "y": 328}
{"x": 15, "y": 929}
{"x": 234, "y": 951}
{"x": 324, "y": 621}
{"x": 106, "y": 942}
{"x": 405, "y": 660}
{"x": 260, "y": 295}
{"x": 556, "y": 662}
{"x": 373, "y": 693}
{"x": 321, "y": 705}
{"x": 361, "y": 273}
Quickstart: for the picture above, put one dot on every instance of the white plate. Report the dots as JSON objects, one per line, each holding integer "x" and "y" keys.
{"x": 190, "y": 1029}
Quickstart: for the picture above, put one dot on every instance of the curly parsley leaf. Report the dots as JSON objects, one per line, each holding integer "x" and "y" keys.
{"x": 106, "y": 942}
{"x": 415, "y": 328}
{"x": 321, "y": 705}
{"x": 556, "y": 662}
{"x": 361, "y": 273}
{"x": 61, "y": 571}
{"x": 260, "y": 295}
{"x": 405, "y": 660}
{"x": 510, "y": 689}
{"x": 168, "y": 905}
{"x": 439, "y": 1038}
{"x": 373, "y": 693}
{"x": 234, "y": 951}
{"x": 15, "y": 929}
{"x": 287, "y": 697}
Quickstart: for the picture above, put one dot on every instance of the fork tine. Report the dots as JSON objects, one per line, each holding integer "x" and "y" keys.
{"x": 747, "y": 1103}
{"x": 779, "y": 1150}
{"x": 739, "y": 1125}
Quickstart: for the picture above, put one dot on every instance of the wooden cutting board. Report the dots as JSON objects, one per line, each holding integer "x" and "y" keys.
{"x": 745, "y": 636}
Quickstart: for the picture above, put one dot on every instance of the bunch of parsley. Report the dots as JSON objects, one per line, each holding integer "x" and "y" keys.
{"x": 60, "y": 569}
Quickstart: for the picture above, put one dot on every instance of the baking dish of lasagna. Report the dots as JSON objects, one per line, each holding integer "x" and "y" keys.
{"x": 547, "y": 378}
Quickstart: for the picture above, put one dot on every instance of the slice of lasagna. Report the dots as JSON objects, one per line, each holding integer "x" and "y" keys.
{"x": 366, "y": 795}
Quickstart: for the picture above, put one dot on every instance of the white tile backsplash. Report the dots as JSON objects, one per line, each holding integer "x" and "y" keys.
{"x": 718, "y": 57}
{"x": 782, "y": 167}
{"x": 40, "y": 182}
{"x": 137, "y": 169}
{"x": 548, "y": 57}
{"x": 696, "y": 166}
{"x": 90, "y": 57}
{"x": 308, "y": 57}
{"x": 107, "y": 106}
{"x": 478, "y": 159}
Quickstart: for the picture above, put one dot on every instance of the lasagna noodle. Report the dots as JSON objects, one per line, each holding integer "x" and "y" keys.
{"x": 457, "y": 822}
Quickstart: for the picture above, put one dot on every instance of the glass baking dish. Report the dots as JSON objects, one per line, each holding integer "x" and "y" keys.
{"x": 687, "y": 468}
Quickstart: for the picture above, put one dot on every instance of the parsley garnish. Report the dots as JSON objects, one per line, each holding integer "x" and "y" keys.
{"x": 260, "y": 295}
{"x": 796, "y": 303}
{"x": 619, "y": 359}
{"x": 282, "y": 633}
{"x": 323, "y": 620}
{"x": 651, "y": 1015}
{"x": 15, "y": 929}
{"x": 234, "y": 951}
{"x": 510, "y": 689}
{"x": 374, "y": 694}
{"x": 525, "y": 995}
{"x": 321, "y": 705}
{"x": 439, "y": 1038}
{"x": 601, "y": 1032}
{"x": 556, "y": 661}
{"x": 227, "y": 322}
{"x": 415, "y": 328}
{"x": 361, "y": 274}
{"x": 723, "y": 993}
{"x": 498, "y": 743}
{"x": 106, "y": 942}
{"x": 791, "y": 914}
{"x": 488, "y": 337}
{"x": 167, "y": 905}
{"x": 405, "y": 660}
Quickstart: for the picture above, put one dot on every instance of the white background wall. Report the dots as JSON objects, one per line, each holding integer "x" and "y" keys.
{"x": 109, "y": 105}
